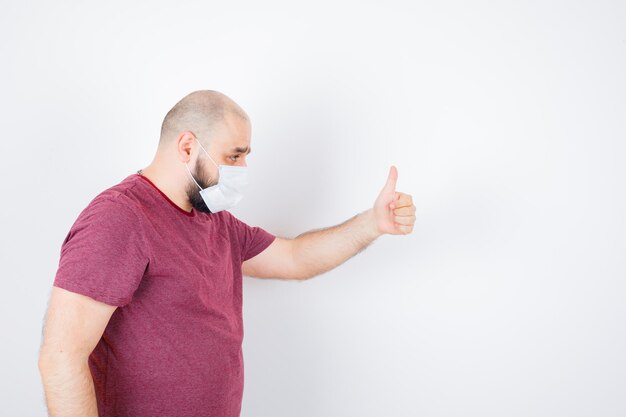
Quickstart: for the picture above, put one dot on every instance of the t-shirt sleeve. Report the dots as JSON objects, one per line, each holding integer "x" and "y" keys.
{"x": 252, "y": 239}
{"x": 104, "y": 254}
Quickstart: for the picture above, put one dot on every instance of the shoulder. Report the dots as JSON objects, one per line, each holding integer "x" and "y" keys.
{"x": 231, "y": 222}
{"x": 114, "y": 206}
{"x": 225, "y": 216}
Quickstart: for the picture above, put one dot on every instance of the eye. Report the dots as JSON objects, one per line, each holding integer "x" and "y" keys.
{"x": 235, "y": 157}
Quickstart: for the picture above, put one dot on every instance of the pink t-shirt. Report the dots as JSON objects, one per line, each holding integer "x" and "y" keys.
{"x": 173, "y": 347}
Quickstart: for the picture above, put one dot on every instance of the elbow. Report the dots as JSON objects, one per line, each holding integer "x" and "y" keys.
{"x": 49, "y": 361}
{"x": 46, "y": 362}
{"x": 298, "y": 269}
{"x": 300, "y": 273}
{"x": 296, "y": 274}
{"x": 46, "y": 365}
{"x": 305, "y": 276}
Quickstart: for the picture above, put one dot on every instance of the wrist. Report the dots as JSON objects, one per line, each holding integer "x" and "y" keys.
{"x": 370, "y": 224}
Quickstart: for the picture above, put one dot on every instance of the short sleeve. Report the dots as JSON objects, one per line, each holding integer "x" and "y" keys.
{"x": 252, "y": 239}
{"x": 104, "y": 254}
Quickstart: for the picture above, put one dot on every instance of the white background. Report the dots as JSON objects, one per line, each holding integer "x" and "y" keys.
{"x": 506, "y": 121}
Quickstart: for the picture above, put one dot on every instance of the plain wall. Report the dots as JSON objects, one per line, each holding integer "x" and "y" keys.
{"x": 506, "y": 121}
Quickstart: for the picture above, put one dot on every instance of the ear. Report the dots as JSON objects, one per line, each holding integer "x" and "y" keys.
{"x": 184, "y": 145}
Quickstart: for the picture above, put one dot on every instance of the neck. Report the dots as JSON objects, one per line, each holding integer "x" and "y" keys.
{"x": 168, "y": 185}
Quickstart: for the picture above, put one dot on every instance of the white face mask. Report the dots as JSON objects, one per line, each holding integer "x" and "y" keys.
{"x": 227, "y": 192}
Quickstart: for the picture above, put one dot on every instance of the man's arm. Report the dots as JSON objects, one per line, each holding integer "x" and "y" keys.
{"x": 73, "y": 326}
{"x": 320, "y": 250}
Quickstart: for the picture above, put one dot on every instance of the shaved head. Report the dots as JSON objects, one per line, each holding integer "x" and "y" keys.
{"x": 202, "y": 112}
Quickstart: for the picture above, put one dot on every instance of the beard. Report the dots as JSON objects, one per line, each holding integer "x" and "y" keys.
{"x": 193, "y": 194}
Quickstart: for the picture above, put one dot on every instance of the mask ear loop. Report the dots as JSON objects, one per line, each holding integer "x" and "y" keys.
{"x": 207, "y": 154}
{"x": 194, "y": 180}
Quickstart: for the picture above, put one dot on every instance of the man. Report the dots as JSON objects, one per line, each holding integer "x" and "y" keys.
{"x": 144, "y": 317}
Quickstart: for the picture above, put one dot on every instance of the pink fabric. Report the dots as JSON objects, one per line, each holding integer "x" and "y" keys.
{"x": 173, "y": 347}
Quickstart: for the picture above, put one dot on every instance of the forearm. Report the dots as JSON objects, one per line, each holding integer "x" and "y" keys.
{"x": 68, "y": 387}
{"x": 320, "y": 250}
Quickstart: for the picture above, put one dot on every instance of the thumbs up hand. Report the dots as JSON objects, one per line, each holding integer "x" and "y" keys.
{"x": 394, "y": 211}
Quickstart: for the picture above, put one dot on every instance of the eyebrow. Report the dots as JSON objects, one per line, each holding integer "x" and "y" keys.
{"x": 242, "y": 150}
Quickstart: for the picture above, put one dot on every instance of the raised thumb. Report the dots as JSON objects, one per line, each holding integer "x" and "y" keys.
{"x": 390, "y": 186}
